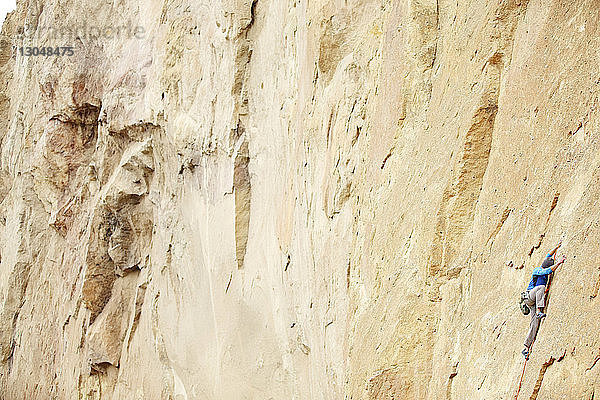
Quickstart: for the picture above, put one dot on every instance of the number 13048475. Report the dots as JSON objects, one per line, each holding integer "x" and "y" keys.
{"x": 45, "y": 51}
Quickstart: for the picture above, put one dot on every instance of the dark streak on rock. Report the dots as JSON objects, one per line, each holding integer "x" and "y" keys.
{"x": 538, "y": 383}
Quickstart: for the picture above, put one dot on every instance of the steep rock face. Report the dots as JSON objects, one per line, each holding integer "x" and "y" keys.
{"x": 297, "y": 200}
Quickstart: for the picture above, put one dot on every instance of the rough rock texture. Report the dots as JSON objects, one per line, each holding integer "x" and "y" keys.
{"x": 298, "y": 199}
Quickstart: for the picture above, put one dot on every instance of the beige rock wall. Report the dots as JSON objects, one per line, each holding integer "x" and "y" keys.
{"x": 298, "y": 199}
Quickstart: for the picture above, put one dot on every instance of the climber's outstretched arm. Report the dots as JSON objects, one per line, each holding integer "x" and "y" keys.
{"x": 551, "y": 254}
{"x": 555, "y": 266}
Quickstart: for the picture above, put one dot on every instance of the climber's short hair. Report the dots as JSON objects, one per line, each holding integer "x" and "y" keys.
{"x": 548, "y": 262}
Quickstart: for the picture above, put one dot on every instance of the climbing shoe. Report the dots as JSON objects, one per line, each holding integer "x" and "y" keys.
{"x": 540, "y": 315}
{"x": 525, "y": 352}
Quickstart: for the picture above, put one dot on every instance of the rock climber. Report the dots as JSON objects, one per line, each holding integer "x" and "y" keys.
{"x": 536, "y": 294}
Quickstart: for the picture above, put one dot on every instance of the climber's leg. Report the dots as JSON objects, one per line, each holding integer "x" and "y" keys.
{"x": 534, "y": 300}
{"x": 540, "y": 300}
{"x": 534, "y": 325}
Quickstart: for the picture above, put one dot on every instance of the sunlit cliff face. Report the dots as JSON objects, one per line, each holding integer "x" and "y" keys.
{"x": 297, "y": 200}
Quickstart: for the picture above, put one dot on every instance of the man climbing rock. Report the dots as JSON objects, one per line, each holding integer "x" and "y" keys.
{"x": 536, "y": 295}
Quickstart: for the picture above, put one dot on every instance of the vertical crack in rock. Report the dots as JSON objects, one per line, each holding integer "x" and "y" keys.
{"x": 543, "y": 235}
{"x": 240, "y": 139}
{"x": 348, "y": 274}
{"x": 242, "y": 59}
{"x": 450, "y": 380}
{"x": 537, "y": 246}
{"x": 242, "y": 191}
{"x": 538, "y": 383}
{"x": 139, "y": 302}
{"x": 552, "y": 207}
{"x": 239, "y": 90}
{"x": 596, "y": 359}
{"x": 596, "y": 287}
{"x": 503, "y": 219}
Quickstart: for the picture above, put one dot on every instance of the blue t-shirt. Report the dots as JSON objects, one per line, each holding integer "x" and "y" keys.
{"x": 540, "y": 275}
